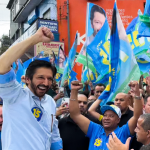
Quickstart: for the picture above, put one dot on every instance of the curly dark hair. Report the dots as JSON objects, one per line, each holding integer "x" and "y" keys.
{"x": 39, "y": 64}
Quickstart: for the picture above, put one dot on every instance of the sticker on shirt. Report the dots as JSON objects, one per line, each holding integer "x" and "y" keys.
{"x": 37, "y": 112}
{"x": 98, "y": 142}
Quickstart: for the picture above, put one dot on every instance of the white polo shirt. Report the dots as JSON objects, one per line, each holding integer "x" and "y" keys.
{"x": 28, "y": 122}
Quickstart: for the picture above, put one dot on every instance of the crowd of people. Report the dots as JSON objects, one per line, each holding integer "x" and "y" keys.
{"x": 39, "y": 117}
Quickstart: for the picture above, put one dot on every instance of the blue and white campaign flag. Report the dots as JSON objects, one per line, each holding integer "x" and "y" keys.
{"x": 123, "y": 67}
{"x": 86, "y": 77}
{"x": 70, "y": 61}
{"x": 144, "y": 28}
{"x": 96, "y": 46}
{"x": 140, "y": 46}
{"x": 98, "y": 50}
{"x": 72, "y": 77}
{"x": 58, "y": 77}
{"x": 19, "y": 69}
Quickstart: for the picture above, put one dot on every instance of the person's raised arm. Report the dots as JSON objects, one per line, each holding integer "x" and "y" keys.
{"x": 138, "y": 107}
{"x": 13, "y": 53}
{"x": 75, "y": 114}
{"x": 92, "y": 110}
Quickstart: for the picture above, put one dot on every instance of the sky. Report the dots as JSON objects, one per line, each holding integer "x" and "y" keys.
{"x": 4, "y": 18}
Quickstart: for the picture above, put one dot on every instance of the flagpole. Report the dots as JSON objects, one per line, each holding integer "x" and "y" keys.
{"x": 86, "y": 61}
{"x": 87, "y": 66}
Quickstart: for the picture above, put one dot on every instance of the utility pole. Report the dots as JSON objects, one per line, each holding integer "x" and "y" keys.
{"x": 68, "y": 24}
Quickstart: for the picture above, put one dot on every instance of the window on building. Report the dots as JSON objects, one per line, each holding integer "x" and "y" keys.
{"x": 12, "y": 13}
{"x": 17, "y": 34}
{"x": 46, "y": 15}
{"x": 17, "y": 6}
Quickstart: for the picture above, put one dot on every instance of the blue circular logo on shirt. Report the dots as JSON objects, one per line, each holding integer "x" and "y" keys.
{"x": 37, "y": 112}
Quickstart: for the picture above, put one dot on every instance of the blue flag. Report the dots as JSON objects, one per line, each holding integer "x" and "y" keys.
{"x": 88, "y": 75}
{"x": 94, "y": 55}
{"x": 40, "y": 55}
{"x": 102, "y": 79}
{"x": 98, "y": 48}
{"x": 140, "y": 46}
{"x": 72, "y": 77}
{"x": 70, "y": 61}
{"x": 58, "y": 77}
{"x": 144, "y": 28}
{"x": 19, "y": 70}
{"x": 113, "y": 57}
{"x": 132, "y": 25}
{"x": 123, "y": 67}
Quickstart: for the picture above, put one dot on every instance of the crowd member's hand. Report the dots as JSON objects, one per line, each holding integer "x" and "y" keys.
{"x": 134, "y": 86}
{"x": 23, "y": 79}
{"x": 44, "y": 35}
{"x": 59, "y": 95}
{"x": 66, "y": 83}
{"x": 62, "y": 109}
{"x": 76, "y": 85}
{"x": 116, "y": 144}
{"x": 91, "y": 85}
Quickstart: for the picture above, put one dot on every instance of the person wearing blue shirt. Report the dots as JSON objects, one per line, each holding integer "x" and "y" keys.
{"x": 99, "y": 135}
{"x": 29, "y": 113}
{"x": 1, "y": 119}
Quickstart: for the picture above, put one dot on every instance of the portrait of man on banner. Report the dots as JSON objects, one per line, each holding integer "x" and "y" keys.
{"x": 96, "y": 28}
{"x": 96, "y": 17}
{"x": 61, "y": 58}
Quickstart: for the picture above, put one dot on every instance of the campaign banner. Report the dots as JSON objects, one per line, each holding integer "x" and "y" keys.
{"x": 96, "y": 47}
{"x": 48, "y": 48}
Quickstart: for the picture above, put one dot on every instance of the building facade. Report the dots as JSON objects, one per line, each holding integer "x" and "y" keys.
{"x": 29, "y": 15}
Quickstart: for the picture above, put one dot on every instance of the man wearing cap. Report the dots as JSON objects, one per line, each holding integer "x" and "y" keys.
{"x": 121, "y": 101}
{"x": 98, "y": 134}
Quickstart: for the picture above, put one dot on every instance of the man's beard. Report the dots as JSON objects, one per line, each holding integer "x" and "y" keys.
{"x": 35, "y": 88}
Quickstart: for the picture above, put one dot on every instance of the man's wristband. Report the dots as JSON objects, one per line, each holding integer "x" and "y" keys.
{"x": 138, "y": 97}
{"x": 72, "y": 99}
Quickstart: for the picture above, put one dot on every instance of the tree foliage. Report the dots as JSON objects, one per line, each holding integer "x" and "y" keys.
{"x": 5, "y": 43}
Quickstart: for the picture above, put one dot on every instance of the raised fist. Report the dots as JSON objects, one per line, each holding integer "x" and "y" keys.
{"x": 76, "y": 85}
{"x": 44, "y": 35}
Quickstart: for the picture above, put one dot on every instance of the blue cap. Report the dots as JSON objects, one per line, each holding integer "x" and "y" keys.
{"x": 114, "y": 108}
